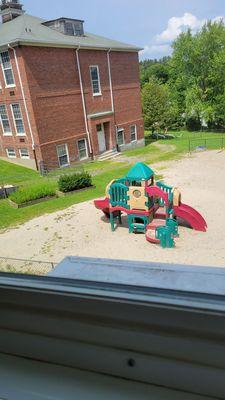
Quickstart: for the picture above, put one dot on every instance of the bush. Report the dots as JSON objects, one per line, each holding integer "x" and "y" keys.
{"x": 79, "y": 180}
{"x": 32, "y": 192}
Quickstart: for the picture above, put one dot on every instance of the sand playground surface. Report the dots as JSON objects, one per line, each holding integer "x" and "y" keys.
{"x": 81, "y": 230}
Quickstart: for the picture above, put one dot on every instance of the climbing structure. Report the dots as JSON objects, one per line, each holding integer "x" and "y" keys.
{"x": 151, "y": 207}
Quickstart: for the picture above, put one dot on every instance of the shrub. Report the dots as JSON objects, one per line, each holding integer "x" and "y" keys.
{"x": 32, "y": 192}
{"x": 79, "y": 180}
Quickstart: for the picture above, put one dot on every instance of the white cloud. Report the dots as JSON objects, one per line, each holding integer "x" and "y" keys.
{"x": 177, "y": 24}
{"x": 156, "y": 50}
{"x": 161, "y": 44}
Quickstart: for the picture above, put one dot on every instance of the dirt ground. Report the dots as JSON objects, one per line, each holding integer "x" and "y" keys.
{"x": 82, "y": 230}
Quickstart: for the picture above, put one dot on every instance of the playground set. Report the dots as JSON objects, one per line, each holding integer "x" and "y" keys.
{"x": 151, "y": 207}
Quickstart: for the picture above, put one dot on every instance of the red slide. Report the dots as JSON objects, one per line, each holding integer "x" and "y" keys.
{"x": 156, "y": 191}
{"x": 189, "y": 214}
{"x": 102, "y": 204}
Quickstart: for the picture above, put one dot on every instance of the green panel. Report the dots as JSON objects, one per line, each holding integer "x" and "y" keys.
{"x": 118, "y": 195}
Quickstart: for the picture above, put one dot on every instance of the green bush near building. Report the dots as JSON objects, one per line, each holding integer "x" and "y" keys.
{"x": 71, "y": 182}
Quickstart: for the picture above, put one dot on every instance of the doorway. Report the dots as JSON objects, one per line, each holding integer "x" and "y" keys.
{"x": 101, "y": 138}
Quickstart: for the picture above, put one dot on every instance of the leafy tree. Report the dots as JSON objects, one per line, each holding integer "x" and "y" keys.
{"x": 158, "y": 108}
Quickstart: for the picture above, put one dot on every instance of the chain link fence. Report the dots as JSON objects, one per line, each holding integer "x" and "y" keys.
{"x": 200, "y": 144}
{"x": 21, "y": 266}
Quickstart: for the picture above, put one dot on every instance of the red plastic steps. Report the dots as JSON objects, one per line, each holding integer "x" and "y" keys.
{"x": 150, "y": 230}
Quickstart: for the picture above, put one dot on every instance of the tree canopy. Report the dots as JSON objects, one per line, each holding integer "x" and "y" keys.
{"x": 190, "y": 84}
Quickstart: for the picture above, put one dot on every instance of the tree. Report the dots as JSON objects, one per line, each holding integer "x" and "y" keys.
{"x": 197, "y": 74}
{"x": 158, "y": 108}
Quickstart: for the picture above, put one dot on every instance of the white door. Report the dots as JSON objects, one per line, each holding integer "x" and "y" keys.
{"x": 101, "y": 138}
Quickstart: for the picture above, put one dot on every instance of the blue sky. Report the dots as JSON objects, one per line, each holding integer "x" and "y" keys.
{"x": 147, "y": 23}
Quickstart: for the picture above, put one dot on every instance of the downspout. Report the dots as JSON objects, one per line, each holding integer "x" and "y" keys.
{"x": 110, "y": 79}
{"x": 25, "y": 104}
{"x": 111, "y": 94}
{"x": 83, "y": 101}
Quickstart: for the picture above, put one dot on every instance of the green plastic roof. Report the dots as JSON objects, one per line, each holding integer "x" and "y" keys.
{"x": 140, "y": 171}
{"x": 29, "y": 30}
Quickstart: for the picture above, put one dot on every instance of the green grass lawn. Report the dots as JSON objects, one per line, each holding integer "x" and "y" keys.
{"x": 103, "y": 173}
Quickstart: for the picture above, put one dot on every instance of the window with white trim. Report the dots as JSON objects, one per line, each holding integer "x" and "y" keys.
{"x": 24, "y": 153}
{"x": 11, "y": 152}
{"x": 18, "y": 119}
{"x": 82, "y": 149}
{"x": 95, "y": 80}
{"x": 63, "y": 155}
{"x": 5, "y": 120}
{"x": 7, "y": 68}
{"x": 120, "y": 136}
{"x": 133, "y": 133}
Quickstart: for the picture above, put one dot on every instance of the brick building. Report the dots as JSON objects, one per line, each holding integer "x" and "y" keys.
{"x": 65, "y": 95}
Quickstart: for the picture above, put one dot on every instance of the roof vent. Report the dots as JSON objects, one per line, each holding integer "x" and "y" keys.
{"x": 67, "y": 26}
{"x": 10, "y": 9}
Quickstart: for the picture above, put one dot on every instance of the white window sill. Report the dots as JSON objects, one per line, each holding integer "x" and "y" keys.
{"x": 83, "y": 158}
{"x": 7, "y": 134}
{"x": 134, "y": 141}
{"x": 10, "y": 86}
{"x": 21, "y": 134}
{"x": 97, "y": 94}
{"x": 11, "y": 156}
{"x": 25, "y": 158}
{"x": 64, "y": 165}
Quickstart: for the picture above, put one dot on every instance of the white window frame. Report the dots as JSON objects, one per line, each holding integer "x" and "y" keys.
{"x": 67, "y": 153}
{"x": 4, "y": 69}
{"x": 120, "y": 130}
{"x": 14, "y": 120}
{"x": 5, "y": 133}
{"x": 85, "y": 141}
{"x": 99, "y": 82}
{"x": 7, "y": 152}
{"x": 24, "y": 157}
{"x": 135, "y": 140}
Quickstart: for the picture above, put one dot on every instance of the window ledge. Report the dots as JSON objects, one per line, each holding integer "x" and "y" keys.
{"x": 97, "y": 94}
{"x": 7, "y": 134}
{"x": 21, "y": 134}
{"x": 10, "y": 86}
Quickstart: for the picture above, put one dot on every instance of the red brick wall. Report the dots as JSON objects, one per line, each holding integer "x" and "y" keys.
{"x": 52, "y": 89}
{"x": 7, "y": 99}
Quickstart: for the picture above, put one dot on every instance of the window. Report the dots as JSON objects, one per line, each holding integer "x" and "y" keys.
{"x": 120, "y": 137}
{"x": 11, "y": 152}
{"x": 95, "y": 80}
{"x": 133, "y": 133}
{"x": 5, "y": 120}
{"x": 82, "y": 149}
{"x": 24, "y": 153}
{"x": 18, "y": 119}
{"x": 63, "y": 155}
{"x": 69, "y": 29}
{"x": 7, "y": 69}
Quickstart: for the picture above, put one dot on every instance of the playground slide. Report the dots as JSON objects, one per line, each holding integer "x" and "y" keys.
{"x": 102, "y": 204}
{"x": 156, "y": 191}
{"x": 189, "y": 214}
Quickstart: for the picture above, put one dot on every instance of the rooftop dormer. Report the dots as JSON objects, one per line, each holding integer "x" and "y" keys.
{"x": 67, "y": 26}
{"x": 10, "y": 9}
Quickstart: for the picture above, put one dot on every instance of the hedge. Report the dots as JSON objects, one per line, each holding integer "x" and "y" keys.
{"x": 32, "y": 192}
{"x": 79, "y": 180}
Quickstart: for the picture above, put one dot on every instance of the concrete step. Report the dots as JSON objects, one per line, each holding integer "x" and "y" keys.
{"x": 107, "y": 155}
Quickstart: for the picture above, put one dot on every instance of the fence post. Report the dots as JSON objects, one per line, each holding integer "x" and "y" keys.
{"x": 205, "y": 143}
{"x": 189, "y": 142}
{"x": 222, "y": 144}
